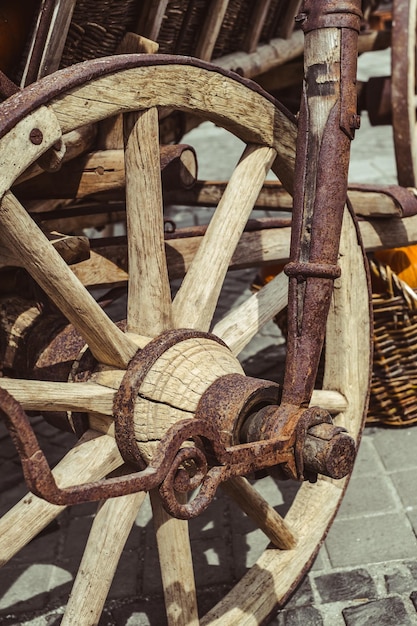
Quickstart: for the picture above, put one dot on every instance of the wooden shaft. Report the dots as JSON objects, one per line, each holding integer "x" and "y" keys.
{"x": 196, "y": 300}
{"x": 262, "y": 513}
{"x": 319, "y": 201}
{"x": 176, "y": 563}
{"x": 109, "y": 532}
{"x": 149, "y": 298}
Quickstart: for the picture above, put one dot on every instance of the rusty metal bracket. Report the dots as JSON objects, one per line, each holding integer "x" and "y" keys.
{"x": 213, "y": 465}
{"x": 316, "y": 14}
{"x": 139, "y": 366}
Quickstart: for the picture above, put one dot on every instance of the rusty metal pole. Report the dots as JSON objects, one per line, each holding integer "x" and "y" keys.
{"x": 327, "y": 123}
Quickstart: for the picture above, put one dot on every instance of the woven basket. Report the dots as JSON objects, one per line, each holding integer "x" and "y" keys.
{"x": 97, "y": 28}
{"x": 393, "y": 399}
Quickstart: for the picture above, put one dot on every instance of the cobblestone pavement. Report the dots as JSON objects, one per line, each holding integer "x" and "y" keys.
{"x": 366, "y": 571}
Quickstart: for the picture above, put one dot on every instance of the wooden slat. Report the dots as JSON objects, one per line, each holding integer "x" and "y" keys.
{"x": 149, "y": 297}
{"x": 109, "y": 533}
{"x": 211, "y": 28}
{"x": 108, "y": 343}
{"x": 151, "y": 17}
{"x": 243, "y": 322}
{"x": 287, "y": 21}
{"x": 262, "y": 513}
{"x": 255, "y": 248}
{"x": 54, "y": 41}
{"x": 196, "y": 300}
{"x": 257, "y": 20}
{"x": 176, "y": 564}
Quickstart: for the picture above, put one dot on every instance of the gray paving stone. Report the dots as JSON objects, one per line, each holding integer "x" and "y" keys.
{"x": 405, "y": 482}
{"x": 400, "y": 580}
{"x": 141, "y": 615}
{"x": 413, "y": 598}
{"x": 373, "y": 539}
{"x": 355, "y": 584}
{"x": 75, "y": 541}
{"x": 411, "y": 513}
{"x": 126, "y": 582}
{"x": 367, "y": 495}
{"x": 386, "y": 612}
{"x": 11, "y": 473}
{"x": 246, "y": 550}
{"x": 397, "y": 448}
{"x": 367, "y": 460}
{"x": 212, "y": 561}
{"x": 303, "y": 596}
{"x": 25, "y": 589}
{"x": 304, "y": 616}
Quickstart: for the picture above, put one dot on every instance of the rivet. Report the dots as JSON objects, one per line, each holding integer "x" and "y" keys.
{"x": 36, "y": 136}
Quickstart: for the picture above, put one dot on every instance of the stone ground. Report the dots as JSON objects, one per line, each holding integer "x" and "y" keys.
{"x": 364, "y": 574}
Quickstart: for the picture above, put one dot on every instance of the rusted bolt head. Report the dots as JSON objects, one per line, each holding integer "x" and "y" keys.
{"x": 36, "y": 136}
{"x": 300, "y": 18}
{"x": 355, "y": 122}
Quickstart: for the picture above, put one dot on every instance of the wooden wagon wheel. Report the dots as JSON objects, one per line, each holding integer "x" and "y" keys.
{"x": 138, "y": 87}
{"x": 403, "y": 90}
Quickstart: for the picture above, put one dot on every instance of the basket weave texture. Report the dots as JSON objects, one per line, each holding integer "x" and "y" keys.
{"x": 393, "y": 398}
{"x": 98, "y": 27}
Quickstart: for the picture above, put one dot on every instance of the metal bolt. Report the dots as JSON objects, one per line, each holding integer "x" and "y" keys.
{"x": 36, "y": 136}
{"x": 355, "y": 122}
{"x": 300, "y": 18}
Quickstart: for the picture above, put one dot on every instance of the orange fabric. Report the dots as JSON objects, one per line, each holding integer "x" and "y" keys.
{"x": 403, "y": 261}
{"x": 268, "y": 272}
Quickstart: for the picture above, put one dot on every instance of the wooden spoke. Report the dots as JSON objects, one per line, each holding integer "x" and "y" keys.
{"x": 39, "y": 395}
{"x": 95, "y": 456}
{"x": 100, "y": 559}
{"x": 50, "y": 271}
{"x": 149, "y": 302}
{"x": 263, "y": 514}
{"x": 196, "y": 300}
{"x": 242, "y": 324}
{"x": 176, "y": 566}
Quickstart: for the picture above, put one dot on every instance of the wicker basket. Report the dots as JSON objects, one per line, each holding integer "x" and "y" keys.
{"x": 97, "y": 28}
{"x": 393, "y": 398}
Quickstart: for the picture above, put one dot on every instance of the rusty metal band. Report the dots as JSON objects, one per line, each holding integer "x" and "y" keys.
{"x": 404, "y": 199}
{"x": 138, "y": 368}
{"x": 302, "y": 271}
{"x": 7, "y": 87}
{"x": 43, "y": 91}
{"x": 317, "y": 14}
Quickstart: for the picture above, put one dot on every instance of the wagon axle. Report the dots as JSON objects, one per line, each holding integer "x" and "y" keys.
{"x": 232, "y": 426}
